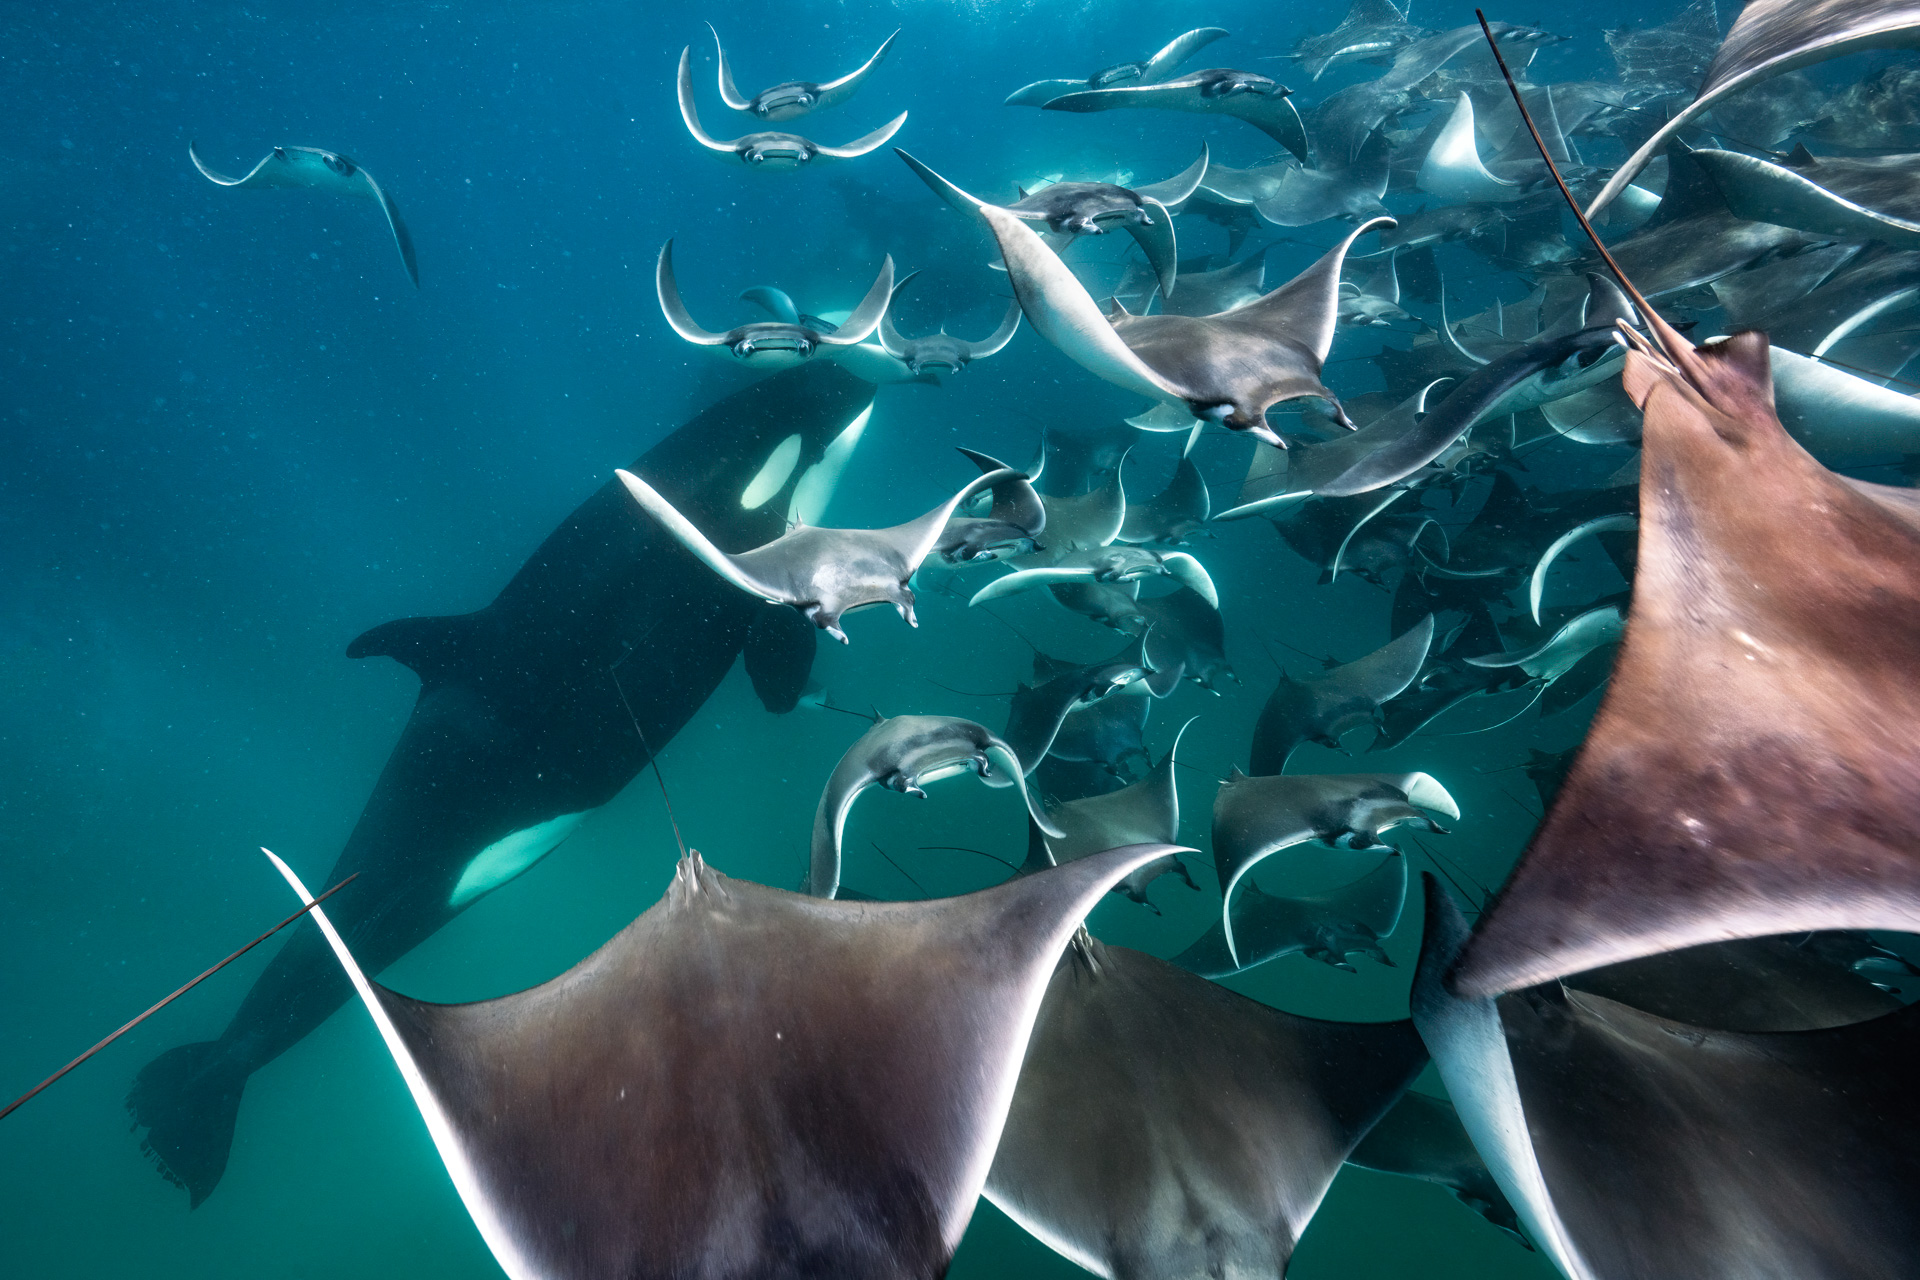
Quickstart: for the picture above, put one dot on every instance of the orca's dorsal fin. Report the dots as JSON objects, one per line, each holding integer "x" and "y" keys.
{"x": 431, "y": 647}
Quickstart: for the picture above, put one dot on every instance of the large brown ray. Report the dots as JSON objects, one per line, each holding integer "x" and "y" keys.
{"x": 744, "y": 1083}
{"x": 1755, "y": 767}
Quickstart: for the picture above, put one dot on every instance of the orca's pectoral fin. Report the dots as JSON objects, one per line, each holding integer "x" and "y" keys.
{"x": 779, "y": 656}
{"x": 1156, "y": 240}
{"x": 431, "y": 647}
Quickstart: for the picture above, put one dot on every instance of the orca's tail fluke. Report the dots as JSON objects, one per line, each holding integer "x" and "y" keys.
{"x": 187, "y": 1100}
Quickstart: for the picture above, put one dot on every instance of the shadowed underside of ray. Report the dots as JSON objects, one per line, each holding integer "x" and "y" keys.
{"x": 1765, "y": 192}
{"x": 1329, "y": 704}
{"x": 321, "y": 170}
{"x": 1664, "y": 1149}
{"x": 1754, "y": 768}
{"x": 1166, "y": 1128}
{"x": 1771, "y": 37}
{"x": 743, "y": 1082}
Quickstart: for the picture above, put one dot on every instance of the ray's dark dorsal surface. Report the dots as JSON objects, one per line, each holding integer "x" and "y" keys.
{"x": 522, "y": 728}
{"x": 1165, "y": 1127}
{"x": 853, "y": 1062}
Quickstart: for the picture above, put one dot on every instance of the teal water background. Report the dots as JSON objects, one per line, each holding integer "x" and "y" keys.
{"x": 232, "y": 437}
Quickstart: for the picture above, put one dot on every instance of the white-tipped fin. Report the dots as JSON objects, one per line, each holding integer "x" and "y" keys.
{"x": 947, "y": 191}
{"x": 1423, "y": 791}
{"x": 1179, "y": 49}
{"x": 1453, "y": 169}
{"x": 994, "y": 342}
{"x": 1189, "y": 572}
{"x": 1025, "y": 580}
{"x": 1178, "y": 189}
{"x": 818, "y": 482}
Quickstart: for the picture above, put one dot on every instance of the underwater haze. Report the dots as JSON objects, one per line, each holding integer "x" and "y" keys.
{"x": 235, "y": 436}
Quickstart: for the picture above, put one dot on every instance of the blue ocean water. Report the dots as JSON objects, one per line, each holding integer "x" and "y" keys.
{"x": 233, "y": 436}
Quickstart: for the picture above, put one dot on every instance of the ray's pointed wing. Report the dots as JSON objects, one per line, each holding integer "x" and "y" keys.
{"x": 693, "y": 540}
{"x": 1537, "y": 581}
{"x": 915, "y": 540}
{"x": 1469, "y": 1049}
{"x": 1771, "y": 37}
{"x": 862, "y": 146}
{"x": 1453, "y": 170}
{"x": 865, "y": 318}
{"x": 1189, "y": 572}
{"x": 1175, "y": 191}
{"x": 947, "y": 191}
{"x": 1156, "y": 240}
{"x": 1765, "y": 192}
{"x": 1307, "y": 307}
{"x": 1041, "y": 92}
{"x": 1274, "y": 115}
{"x": 587, "y": 1139}
{"x": 890, "y": 339}
{"x": 835, "y": 92}
{"x": 774, "y": 302}
{"x": 729, "y": 92}
{"x": 668, "y": 290}
{"x": 689, "y": 114}
{"x": 1026, "y": 580}
{"x": 1061, "y": 311}
{"x": 996, "y": 341}
{"x": 1179, "y": 49}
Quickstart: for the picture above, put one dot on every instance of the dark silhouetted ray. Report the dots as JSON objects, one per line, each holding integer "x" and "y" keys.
{"x": 1327, "y": 705}
{"x": 1329, "y": 927}
{"x": 1636, "y": 1147}
{"x": 1166, "y": 1128}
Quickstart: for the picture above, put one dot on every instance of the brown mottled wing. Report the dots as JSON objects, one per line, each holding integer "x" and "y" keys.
{"x": 1755, "y": 767}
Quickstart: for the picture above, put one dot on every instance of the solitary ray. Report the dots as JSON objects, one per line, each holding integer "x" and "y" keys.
{"x": 1144, "y": 812}
{"x": 1636, "y": 1146}
{"x": 1259, "y": 100}
{"x": 1422, "y": 1138}
{"x": 1771, "y": 37}
{"x": 795, "y": 97}
{"x": 1753, "y": 769}
{"x": 1165, "y": 1127}
{"x": 1328, "y": 927}
{"x": 1226, "y": 368}
{"x": 743, "y": 1081}
{"x": 1371, "y": 31}
{"x": 905, "y": 753}
{"x": 1156, "y": 68}
{"x": 1328, "y": 705}
{"x": 1011, "y": 524}
{"x": 321, "y": 170}
{"x": 1255, "y": 818}
{"x": 772, "y": 344}
{"x": 1089, "y": 208}
{"x": 942, "y": 350}
{"x": 771, "y": 151}
{"x": 823, "y": 573}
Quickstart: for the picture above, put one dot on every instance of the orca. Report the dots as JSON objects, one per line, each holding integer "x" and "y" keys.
{"x": 523, "y": 726}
